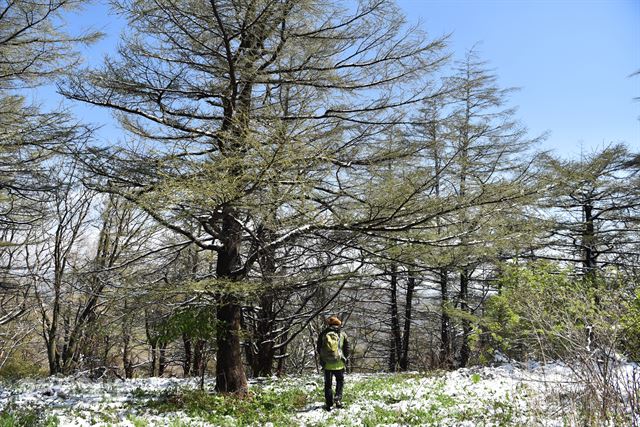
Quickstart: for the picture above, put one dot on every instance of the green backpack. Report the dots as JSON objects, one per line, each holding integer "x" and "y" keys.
{"x": 331, "y": 348}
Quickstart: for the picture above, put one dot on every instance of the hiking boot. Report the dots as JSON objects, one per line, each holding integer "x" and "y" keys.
{"x": 339, "y": 404}
{"x": 327, "y": 408}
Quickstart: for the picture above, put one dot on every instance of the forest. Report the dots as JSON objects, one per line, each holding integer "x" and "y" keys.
{"x": 282, "y": 161}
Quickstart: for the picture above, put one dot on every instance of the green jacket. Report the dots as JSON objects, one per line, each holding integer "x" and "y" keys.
{"x": 333, "y": 365}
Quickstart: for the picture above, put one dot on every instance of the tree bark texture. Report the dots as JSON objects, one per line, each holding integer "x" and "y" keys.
{"x": 230, "y": 375}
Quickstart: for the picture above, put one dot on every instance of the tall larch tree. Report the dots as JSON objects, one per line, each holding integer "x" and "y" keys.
{"x": 490, "y": 172}
{"x": 251, "y": 115}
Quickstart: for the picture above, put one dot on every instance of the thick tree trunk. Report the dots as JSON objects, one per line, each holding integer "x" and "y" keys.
{"x": 230, "y": 375}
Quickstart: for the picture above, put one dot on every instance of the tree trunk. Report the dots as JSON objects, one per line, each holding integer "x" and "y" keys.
{"x": 153, "y": 356}
{"x": 263, "y": 366}
{"x": 396, "y": 334}
{"x": 162, "y": 358}
{"x": 188, "y": 354}
{"x": 53, "y": 356}
{"x": 465, "y": 351}
{"x": 589, "y": 259}
{"x": 262, "y": 360}
{"x": 127, "y": 363}
{"x": 404, "y": 357}
{"x": 230, "y": 375}
{"x": 445, "y": 322}
{"x": 198, "y": 358}
{"x": 282, "y": 352}
{"x": 126, "y": 357}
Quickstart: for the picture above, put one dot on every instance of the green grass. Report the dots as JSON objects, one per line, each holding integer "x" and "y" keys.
{"x": 377, "y": 398}
{"x": 475, "y": 378}
{"x": 371, "y": 401}
{"x": 379, "y": 387}
{"x": 26, "y": 417}
{"x": 137, "y": 421}
{"x": 255, "y": 409}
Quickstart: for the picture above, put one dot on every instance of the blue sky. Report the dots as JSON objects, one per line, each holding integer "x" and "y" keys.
{"x": 572, "y": 60}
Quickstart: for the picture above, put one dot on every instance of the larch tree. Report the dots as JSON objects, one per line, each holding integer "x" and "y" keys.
{"x": 433, "y": 132}
{"x": 34, "y": 49}
{"x": 594, "y": 203}
{"x": 482, "y": 159}
{"x": 256, "y": 119}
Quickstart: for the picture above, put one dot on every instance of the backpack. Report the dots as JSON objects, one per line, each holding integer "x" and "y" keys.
{"x": 331, "y": 348}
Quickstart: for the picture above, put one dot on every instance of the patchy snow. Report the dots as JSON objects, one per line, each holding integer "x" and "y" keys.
{"x": 81, "y": 402}
{"x": 504, "y": 395}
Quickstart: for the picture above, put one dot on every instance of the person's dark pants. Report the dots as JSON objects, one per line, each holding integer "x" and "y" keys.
{"x": 328, "y": 386}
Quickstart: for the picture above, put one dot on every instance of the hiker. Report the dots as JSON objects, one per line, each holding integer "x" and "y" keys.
{"x": 333, "y": 349}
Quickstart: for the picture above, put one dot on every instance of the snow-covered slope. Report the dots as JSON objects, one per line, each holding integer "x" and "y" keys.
{"x": 505, "y": 395}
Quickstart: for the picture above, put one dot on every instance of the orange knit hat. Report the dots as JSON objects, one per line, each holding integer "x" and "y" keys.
{"x": 334, "y": 321}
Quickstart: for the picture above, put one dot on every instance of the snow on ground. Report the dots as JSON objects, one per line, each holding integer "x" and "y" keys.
{"x": 81, "y": 402}
{"x": 505, "y": 395}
